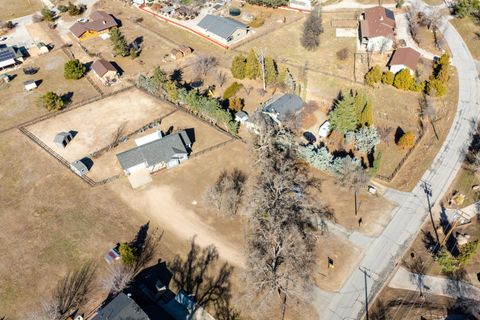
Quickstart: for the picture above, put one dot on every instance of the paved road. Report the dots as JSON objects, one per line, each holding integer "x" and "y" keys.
{"x": 383, "y": 253}
{"x": 404, "y": 279}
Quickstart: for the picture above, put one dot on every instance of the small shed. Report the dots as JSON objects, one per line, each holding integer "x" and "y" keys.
{"x": 30, "y": 85}
{"x": 62, "y": 139}
{"x": 79, "y": 167}
{"x": 324, "y": 129}
{"x": 185, "y": 50}
{"x": 42, "y": 48}
{"x": 241, "y": 117}
{"x": 176, "y": 54}
{"x": 6, "y": 78}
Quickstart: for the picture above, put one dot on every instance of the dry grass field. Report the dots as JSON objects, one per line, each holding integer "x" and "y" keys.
{"x": 18, "y": 105}
{"x": 469, "y": 30}
{"x": 15, "y": 9}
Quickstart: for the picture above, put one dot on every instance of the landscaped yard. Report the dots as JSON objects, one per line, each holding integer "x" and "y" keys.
{"x": 19, "y": 105}
{"x": 470, "y": 31}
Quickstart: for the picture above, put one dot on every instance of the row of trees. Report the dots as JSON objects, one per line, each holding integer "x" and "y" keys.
{"x": 73, "y": 10}
{"x": 436, "y": 85}
{"x": 465, "y": 8}
{"x": 266, "y": 69}
{"x": 200, "y": 104}
{"x": 269, "y": 3}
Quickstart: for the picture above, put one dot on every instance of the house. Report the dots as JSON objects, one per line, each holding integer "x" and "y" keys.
{"x": 99, "y": 22}
{"x": 377, "y": 29}
{"x": 30, "y": 85}
{"x": 223, "y": 29}
{"x": 42, "y": 48}
{"x": 282, "y": 106}
{"x": 79, "y": 167}
{"x": 324, "y": 129}
{"x": 120, "y": 308}
{"x": 404, "y": 58}
{"x": 105, "y": 71}
{"x": 168, "y": 11}
{"x": 10, "y": 56}
{"x": 168, "y": 151}
{"x": 62, "y": 139}
{"x": 301, "y": 4}
{"x": 241, "y": 117}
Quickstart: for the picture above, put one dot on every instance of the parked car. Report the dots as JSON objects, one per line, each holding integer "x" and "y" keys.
{"x": 83, "y": 20}
{"x": 3, "y": 38}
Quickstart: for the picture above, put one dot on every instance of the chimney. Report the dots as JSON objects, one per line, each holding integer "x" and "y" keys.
{"x": 104, "y": 22}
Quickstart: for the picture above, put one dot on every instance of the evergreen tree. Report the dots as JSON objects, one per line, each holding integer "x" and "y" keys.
{"x": 252, "y": 66}
{"x": 407, "y": 140}
{"x": 51, "y": 101}
{"x": 312, "y": 28}
{"x": 366, "y": 138}
{"x": 388, "y": 77}
{"x": 120, "y": 46}
{"x": 74, "y": 70}
{"x": 366, "y": 116}
{"x": 238, "y": 67}
{"x": 271, "y": 72}
{"x": 374, "y": 75}
{"x": 343, "y": 117}
{"x": 403, "y": 80}
{"x": 441, "y": 68}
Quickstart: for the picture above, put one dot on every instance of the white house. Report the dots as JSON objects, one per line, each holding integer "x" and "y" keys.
{"x": 155, "y": 152}
{"x": 301, "y": 4}
{"x": 404, "y": 58}
{"x": 377, "y": 29}
{"x": 30, "y": 85}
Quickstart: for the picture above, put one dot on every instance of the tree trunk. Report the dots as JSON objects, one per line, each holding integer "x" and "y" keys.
{"x": 355, "y": 199}
{"x": 284, "y": 307}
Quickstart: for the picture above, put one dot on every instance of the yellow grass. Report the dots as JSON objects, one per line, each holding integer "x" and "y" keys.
{"x": 468, "y": 29}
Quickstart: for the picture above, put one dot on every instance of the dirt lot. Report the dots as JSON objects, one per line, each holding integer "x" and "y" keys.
{"x": 468, "y": 29}
{"x": 19, "y": 105}
{"x": 20, "y": 8}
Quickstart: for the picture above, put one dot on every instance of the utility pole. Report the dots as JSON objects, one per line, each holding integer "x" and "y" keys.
{"x": 427, "y": 188}
{"x": 366, "y": 275}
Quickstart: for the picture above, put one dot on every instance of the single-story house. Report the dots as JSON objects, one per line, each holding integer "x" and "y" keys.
{"x": 404, "y": 58}
{"x": 241, "y": 116}
{"x": 168, "y": 151}
{"x": 223, "y": 29}
{"x": 62, "y": 139}
{"x": 168, "y": 11}
{"x": 99, "y": 22}
{"x": 105, "y": 71}
{"x": 301, "y": 4}
{"x": 324, "y": 129}
{"x": 282, "y": 106}
{"x": 120, "y": 308}
{"x": 377, "y": 29}
{"x": 79, "y": 167}
{"x": 42, "y": 48}
{"x": 10, "y": 56}
{"x": 30, "y": 85}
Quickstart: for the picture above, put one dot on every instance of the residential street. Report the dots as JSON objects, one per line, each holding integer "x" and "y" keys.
{"x": 383, "y": 253}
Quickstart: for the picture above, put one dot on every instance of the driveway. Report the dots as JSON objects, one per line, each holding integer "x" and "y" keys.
{"x": 402, "y": 33}
{"x": 19, "y": 36}
{"x": 383, "y": 253}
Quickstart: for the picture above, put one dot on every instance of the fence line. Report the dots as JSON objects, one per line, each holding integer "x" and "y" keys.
{"x": 59, "y": 158}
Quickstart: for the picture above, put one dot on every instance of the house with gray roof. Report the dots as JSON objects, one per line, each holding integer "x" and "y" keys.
{"x": 282, "y": 106}
{"x": 122, "y": 307}
{"x": 168, "y": 151}
{"x": 10, "y": 56}
{"x": 223, "y": 29}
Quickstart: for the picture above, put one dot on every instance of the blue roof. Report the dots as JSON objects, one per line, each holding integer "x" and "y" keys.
{"x": 220, "y": 26}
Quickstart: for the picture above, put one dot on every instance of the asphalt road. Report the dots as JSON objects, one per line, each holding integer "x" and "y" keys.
{"x": 383, "y": 253}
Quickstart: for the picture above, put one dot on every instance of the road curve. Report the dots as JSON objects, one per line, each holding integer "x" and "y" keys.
{"x": 382, "y": 255}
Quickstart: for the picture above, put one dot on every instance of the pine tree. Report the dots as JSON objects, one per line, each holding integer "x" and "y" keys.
{"x": 252, "y": 66}
{"x": 366, "y": 116}
{"x": 403, "y": 80}
{"x": 238, "y": 67}
{"x": 374, "y": 75}
{"x": 51, "y": 101}
{"x": 271, "y": 72}
{"x": 388, "y": 77}
{"x": 344, "y": 117}
{"x": 120, "y": 46}
{"x": 441, "y": 68}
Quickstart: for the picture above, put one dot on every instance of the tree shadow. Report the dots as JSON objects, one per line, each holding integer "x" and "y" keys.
{"x": 429, "y": 242}
{"x": 177, "y": 75}
{"x": 451, "y": 243}
{"x": 87, "y": 162}
{"x": 195, "y": 275}
{"x": 463, "y": 309}
{"x": 67, "y": 97}
{"x": 398, "y": 134}
{"x": 310, "y": 137}
{"x": 139, "y": 241}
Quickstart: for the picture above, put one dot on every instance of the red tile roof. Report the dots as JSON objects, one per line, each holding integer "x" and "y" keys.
{"x": 99, "y": 21}
{"x": 405, "y": 56}
{"x": 379, "y": 21}
{"x": 101, "y": 67}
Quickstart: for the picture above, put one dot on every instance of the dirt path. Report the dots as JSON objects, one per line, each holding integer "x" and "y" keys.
{"x": 159, "y": 203}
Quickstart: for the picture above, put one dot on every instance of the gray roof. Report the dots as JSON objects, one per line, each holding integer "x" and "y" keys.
{"x": 61, "y": 136}
{"x": 26, "y": 83}
{"x": 220, "y": 26}
{"x": 121, "y": 308}
{"x": 155, "y": 152}
{"x": 7, "y": 53}
{"x": 283, "y": 105}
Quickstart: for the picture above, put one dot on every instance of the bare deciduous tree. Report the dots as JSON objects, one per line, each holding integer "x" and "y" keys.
{"x": 413, "y": 20}
{"x": 226, "y": 194}
{"x": 222, "y": 78}
{"x": 117, "y": 278}
{"x": 352, "y": 177}
{"x": 428, "y": 111}
{"x": 204, "y": 64}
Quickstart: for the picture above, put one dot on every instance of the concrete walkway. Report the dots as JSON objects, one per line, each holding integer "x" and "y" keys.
{"x": 406, "y": 280}
{"x": 382, "y": 254}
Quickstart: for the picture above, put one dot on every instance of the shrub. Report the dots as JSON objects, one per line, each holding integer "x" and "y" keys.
{"x": 441, "y": 68}
{"x": 252, "y": 66}
{"x": 9, "y": 24}
{"x": 235, "y": 104}
{"x": 238, "y": 67}
{"x": 51, "y": 101}
{"x": 133, "y": 53}
{"x": 377, "y": 161}
{"x": 342, "y": 54}
{"x": 269, "y": 3}
{"x": 232, "y": 90}
{"x": 234, "y": 12}
{"x": 418, "y": 87}
{"x": 74, "y": 70}
{"x": 257, "y": 22}
{"x": 403, "y": 80}
{"x": 127, "y": 253}
{"x": 73, "y": 10}
{"x": 435, "y": 87}
{"x": 374, "y": 75}
{"x": 388, "y": 77}
{"x": 407, "y": 140}
{"x": 62, "y": 8}
{"x": 47, "y": 15}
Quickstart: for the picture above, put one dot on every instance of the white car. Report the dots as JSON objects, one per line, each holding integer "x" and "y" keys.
{"x": 83, "y": 20}
{"x": 3, "y": 38}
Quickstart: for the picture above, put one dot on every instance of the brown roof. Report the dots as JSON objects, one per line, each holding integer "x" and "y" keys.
{"x": 379, "y": 21}
{"x": 99, "y": 21}
{"x": 405, "y": 56}
{"x": 102, "y": 66}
